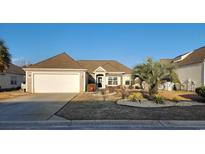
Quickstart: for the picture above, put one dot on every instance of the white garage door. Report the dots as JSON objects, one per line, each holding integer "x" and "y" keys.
{"x": 56, "y": 83}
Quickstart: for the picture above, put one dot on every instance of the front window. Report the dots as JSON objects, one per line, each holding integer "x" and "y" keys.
{"x": 13, "y": 80}
{"x": 112, "y": 80}
{"x": 127, "y": 82}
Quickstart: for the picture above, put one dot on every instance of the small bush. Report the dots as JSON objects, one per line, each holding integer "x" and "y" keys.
{"x": 200, "y": 91}
{"x": 112, "y": 89}
{"x": 103, "y": 92}
{"x": 124, "y": 93}
{"x": 175, "y": 99}
{"x": 137, "y": 96}
{"x": 158, "y": 99}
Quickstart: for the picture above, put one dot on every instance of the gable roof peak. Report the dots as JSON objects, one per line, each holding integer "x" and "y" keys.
{"x": 196, "y": 56}
{"x": 108, "y": 65}
{"x": 62, "y": 60}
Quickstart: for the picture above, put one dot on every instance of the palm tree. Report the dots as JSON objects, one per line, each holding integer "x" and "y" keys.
{"x": 5, "y": 57}
{"x": 153, "y": 73}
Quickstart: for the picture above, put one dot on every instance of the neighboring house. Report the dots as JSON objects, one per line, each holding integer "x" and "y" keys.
{"x": 191, "y": 68}
{"x": 62, "y": 74}
{"x": 12, "y": 77}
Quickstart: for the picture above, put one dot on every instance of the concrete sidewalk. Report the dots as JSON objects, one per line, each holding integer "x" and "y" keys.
{"x": 103, "y": 125}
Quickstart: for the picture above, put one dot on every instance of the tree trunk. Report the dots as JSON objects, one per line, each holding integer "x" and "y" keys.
{"x": 153, "y": 89}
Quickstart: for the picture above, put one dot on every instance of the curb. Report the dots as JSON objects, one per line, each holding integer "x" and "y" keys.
{"x": 103, "y": 125}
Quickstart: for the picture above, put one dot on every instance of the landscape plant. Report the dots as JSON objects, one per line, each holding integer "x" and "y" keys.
{"x": 154, "y": 73}
{"x": 158, "y": 99}
{"x": 136, "y": 96}
{"x": 175, "y": 99}
{"x": 200, "y": 91}
{"x": 124, "y": 92}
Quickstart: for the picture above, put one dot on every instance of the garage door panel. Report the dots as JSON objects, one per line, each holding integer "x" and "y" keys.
{"x": 56, "y": 83}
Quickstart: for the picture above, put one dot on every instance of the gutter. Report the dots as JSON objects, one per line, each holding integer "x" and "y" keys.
{"x": 52, "y": 69}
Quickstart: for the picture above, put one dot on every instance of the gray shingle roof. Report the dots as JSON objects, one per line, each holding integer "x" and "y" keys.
{"x": 13, "y": 69}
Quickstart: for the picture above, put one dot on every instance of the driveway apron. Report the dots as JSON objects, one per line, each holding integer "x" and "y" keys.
{"x": 33, "y": 107}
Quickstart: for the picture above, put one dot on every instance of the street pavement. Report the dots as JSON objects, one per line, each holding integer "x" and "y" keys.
{"x": 103, "y": 125}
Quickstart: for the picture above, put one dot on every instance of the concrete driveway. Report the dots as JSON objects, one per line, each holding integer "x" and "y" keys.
{"x": 33, "y": 107}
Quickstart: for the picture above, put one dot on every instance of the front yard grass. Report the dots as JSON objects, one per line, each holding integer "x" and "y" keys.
{"x": 88, "y": 107}
{"x": 180, "y": 96}
{"x": 11, "y": 94}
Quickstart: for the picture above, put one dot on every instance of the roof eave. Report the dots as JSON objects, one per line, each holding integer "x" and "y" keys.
{"x": 53, "y": 69}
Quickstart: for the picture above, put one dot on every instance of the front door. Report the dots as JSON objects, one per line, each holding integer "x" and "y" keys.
{"x": 99, "y": 82}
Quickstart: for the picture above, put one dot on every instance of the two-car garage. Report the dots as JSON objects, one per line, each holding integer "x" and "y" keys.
{"x": 56, "y": 83}
{"x": 58, "y": 74}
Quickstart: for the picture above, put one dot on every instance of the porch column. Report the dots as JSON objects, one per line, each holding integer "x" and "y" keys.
{"x": 121, "y": 77}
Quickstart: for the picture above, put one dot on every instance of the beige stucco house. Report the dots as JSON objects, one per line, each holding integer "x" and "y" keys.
{"x": 106, "y": 73}
{"x": 191, "y": 67}
{"x": 63, "y": 74}
{"x": 12, "y": 77}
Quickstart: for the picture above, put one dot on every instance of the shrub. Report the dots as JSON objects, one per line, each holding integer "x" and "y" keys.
{"x": 137, "y": 96}
{"x": 200, "y": 91}
{"x": 175, "y": 99}
{"x": 124, "y": 93}
{"x": 158, "y": 99}
{"x": 112, "y": 89}
{"x": 103, "y": 93}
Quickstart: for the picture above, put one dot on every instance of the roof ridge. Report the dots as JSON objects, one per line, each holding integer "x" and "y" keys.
{"x": 123, "y": 65}
{"x": 49, "y": 58}
{"x": 199, "y": 48}
{"x": 109, "y": 64}
{"x": 192, "y": 51}
{"x": 15, "y": 65}
{"x": 195, "y": 56}
{"x": 58, "y": 61}
{"x": 96, "y": 60}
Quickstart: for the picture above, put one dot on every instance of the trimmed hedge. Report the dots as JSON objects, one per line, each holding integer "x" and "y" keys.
{"x": 200, "y": 91}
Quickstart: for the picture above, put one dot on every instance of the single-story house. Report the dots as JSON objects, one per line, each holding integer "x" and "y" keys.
{"x": 63, "y": 74}
{"x": 191, "y": 68}
{"x": 12, "y": 77}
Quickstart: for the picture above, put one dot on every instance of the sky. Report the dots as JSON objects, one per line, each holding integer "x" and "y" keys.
{"x": 129, "y": 44}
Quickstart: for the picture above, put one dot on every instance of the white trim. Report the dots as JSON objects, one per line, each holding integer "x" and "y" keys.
{"x": 52, "y": 69}
{"x": 183, "y": 56}
{"x": 112, "y": 81}
{"x": 100, "y": 67}
{"x": 117, "y": 72}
